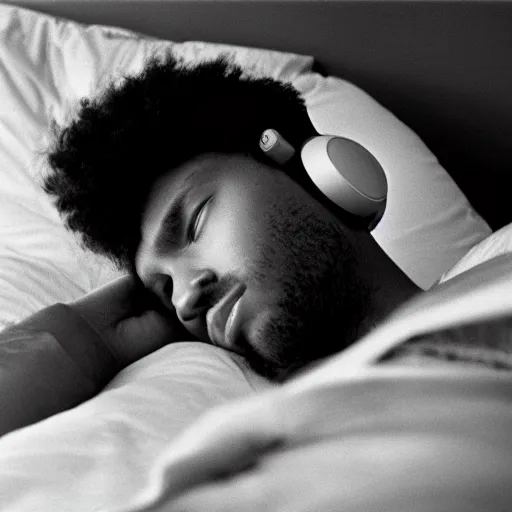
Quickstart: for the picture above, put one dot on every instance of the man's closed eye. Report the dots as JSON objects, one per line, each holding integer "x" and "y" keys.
{"x": 198, "y": 220}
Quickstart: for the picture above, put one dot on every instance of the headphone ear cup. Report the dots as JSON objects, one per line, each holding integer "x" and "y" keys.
{"x": 347, "y": 173}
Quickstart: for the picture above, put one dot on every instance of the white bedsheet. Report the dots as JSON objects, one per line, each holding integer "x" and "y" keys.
{"x": 500, "y": 242}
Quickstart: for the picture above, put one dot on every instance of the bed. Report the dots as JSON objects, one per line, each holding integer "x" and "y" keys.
{"x": 424, "y": 85}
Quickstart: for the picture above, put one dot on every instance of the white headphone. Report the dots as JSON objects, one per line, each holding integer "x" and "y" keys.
{"x": 343, "y": 170}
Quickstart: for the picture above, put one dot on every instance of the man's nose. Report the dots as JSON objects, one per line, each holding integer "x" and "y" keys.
{"x": 192, "y": 297}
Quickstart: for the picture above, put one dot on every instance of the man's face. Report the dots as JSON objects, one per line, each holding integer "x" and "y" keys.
{"x": 251, "y": 262}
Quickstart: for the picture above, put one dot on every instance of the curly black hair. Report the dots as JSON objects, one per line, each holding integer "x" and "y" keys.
{"x": 103, "y": 164}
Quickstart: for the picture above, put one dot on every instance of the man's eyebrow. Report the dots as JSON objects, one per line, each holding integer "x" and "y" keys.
{"x": 171, "y": 223}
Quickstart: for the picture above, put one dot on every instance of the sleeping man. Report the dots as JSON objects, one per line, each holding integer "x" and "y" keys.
{"x": 163, "y": 174}
{"x": 174, "y": 186}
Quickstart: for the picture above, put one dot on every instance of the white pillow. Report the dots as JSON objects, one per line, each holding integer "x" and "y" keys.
{"x": 98, "y": 454}
{"x": 428, "y": 224}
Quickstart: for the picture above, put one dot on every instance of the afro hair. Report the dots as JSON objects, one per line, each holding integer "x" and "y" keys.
{"x": 102, "y": 165}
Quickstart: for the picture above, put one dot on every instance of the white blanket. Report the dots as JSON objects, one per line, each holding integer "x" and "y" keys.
{"x": 99, "y": 455}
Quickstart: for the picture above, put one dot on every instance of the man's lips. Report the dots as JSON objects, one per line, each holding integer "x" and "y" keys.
{"x": 217, "y": 317}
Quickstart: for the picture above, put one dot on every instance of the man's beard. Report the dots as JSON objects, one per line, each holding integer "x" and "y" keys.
{"x": 323, "y": 301}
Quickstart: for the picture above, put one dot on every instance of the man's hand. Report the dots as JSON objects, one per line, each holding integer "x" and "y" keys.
{"x": 129, "y": 320}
